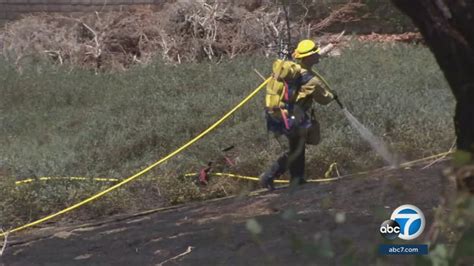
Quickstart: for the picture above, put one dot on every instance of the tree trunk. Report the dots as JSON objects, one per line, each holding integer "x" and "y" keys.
{"x": 448, "y": 28}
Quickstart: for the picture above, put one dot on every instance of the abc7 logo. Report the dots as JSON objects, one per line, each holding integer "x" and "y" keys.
{"x": 390, "y": 229}
{"x": 407, "y": 222}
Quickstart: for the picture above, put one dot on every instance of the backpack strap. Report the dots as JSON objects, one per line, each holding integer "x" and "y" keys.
{"x": 286, "y": 92}
{"x": 295, "y": 86}
{"x": 306, "y": 77}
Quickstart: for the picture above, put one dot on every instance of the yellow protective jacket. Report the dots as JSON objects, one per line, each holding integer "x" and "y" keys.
{"x": 313, "y": 90}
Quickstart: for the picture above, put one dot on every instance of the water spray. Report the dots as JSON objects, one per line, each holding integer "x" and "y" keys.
{"x": 377, "y": 144}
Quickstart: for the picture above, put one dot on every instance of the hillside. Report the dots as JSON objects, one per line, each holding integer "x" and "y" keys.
{"x": 93, "y": 101}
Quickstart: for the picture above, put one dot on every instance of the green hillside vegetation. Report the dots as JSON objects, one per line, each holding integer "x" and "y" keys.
{"x": 61, "y": 122}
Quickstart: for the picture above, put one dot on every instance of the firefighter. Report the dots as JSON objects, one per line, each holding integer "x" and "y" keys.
{"x": 301, "y": 126}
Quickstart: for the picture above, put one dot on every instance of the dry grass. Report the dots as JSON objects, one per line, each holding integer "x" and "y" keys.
{"x": 181, "y": 32}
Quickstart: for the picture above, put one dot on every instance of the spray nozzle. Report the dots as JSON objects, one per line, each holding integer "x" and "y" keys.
{"x": 336, "y": 98}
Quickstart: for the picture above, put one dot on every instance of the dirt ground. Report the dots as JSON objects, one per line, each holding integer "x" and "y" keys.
{"x": 332, "y": 223}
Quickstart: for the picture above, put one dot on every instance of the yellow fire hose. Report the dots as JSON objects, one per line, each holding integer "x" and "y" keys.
{"x": 48, "y": 178}
{"x": 327, "y": 175}
{"x": 147, "y": 169}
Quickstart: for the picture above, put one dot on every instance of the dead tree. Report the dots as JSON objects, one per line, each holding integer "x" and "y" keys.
{"x": 447, "y": 27}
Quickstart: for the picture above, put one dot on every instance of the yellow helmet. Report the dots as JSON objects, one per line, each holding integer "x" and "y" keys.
{"x": 306, "y": 48}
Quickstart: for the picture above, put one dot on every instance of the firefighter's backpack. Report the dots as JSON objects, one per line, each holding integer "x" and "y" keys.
{"x": 281, "y": 92}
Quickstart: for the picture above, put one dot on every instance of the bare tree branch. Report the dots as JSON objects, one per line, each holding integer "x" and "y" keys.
{"x": 342, "y": 14}
{"x": 190, "y": 248}
{"x": 326, "y": 49}
{"x": 5, "y": 241}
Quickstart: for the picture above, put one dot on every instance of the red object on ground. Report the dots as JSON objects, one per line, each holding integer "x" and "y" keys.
{"x": 204, "y": 176}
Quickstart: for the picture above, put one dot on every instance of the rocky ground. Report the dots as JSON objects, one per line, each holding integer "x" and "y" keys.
{"x": 332, "y": 223}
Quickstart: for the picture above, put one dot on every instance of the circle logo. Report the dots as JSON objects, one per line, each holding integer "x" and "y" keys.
{"x": 411, "y": 221}
{"x": 390, "y": 229}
